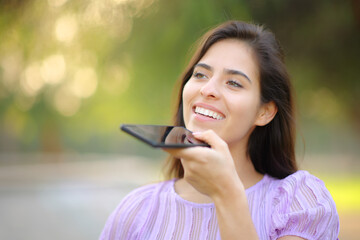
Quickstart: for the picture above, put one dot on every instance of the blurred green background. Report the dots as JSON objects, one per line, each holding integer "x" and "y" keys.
{"x": 72, "y": 71}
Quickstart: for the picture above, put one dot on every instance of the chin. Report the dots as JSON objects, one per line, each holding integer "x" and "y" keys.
{"x": 199, "y": 128}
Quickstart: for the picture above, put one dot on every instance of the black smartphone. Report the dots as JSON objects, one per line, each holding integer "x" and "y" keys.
{"x": 160, "y": 136}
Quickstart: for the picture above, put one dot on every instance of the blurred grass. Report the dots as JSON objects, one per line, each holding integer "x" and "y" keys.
{"x": 345, "y": 190}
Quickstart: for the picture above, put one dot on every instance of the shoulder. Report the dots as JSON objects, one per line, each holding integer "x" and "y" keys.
{"x": 299, "y": 184}
{"x": 302, "y": 206}
{"x": 148, "y": 191}
{"x": 133, "y": 210}
{"x": 299, "y": 180}
{"x": 144, "y": 194}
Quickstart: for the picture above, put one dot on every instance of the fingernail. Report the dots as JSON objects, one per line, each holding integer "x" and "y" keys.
{"x": 196, "y": 133}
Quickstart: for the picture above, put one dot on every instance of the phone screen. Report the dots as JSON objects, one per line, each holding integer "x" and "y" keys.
{"x": 163, "y": 136}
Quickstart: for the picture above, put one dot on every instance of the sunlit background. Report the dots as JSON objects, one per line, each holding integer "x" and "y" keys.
{"x": 72, "y": 71}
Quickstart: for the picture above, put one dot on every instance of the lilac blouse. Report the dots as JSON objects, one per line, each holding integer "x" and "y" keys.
{"x": 297, "y": 205}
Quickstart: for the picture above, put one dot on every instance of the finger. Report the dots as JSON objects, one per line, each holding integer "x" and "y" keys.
{"x": 211, "y": 138}
{"x": 183, "y": 152}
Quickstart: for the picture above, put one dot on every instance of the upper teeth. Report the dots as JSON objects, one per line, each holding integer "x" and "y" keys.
{"x": 209, "y": 113}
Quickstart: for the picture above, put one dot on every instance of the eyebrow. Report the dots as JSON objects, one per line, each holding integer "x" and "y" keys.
{"x": 227, "y": 71}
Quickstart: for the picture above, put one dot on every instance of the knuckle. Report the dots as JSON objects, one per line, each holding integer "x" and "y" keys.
{"x": 224, "y": 144}
{"x": 210, "y": 132}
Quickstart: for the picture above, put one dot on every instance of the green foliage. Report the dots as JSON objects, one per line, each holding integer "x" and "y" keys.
{"x": 72, "y": 71}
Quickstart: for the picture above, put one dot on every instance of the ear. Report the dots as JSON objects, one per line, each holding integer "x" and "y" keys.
{"x": 267, "y": 113}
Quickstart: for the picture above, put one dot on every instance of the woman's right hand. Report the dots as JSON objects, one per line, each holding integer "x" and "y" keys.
{"x": 210, "y": 171}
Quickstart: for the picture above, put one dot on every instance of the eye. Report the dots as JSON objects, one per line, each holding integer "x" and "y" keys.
{"x": 199, "y": 75}
{"x": 234, "y": 83}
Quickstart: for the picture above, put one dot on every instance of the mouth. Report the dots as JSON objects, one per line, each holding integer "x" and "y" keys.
{"x": 208, "y": 113}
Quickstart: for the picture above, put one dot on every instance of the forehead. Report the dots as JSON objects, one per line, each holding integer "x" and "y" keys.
{"x": 232, "y": 54}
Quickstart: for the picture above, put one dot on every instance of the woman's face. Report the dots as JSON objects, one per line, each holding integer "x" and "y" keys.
{"x": 223, "y": 93}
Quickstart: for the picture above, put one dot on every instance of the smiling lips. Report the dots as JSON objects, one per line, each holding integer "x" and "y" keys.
{"x": 208, "y": 113}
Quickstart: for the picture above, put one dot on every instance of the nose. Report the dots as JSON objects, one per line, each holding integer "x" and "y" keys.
{"x": 209, "y": 89}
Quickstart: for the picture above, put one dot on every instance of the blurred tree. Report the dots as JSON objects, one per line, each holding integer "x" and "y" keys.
{"x": 72, "y": 71}
{"x": 321, "y": 37}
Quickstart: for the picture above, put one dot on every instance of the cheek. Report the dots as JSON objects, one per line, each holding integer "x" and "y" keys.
{"x": 245, "y": 110}
{"x": 186, "y": 96}
{"x": 188, "y": 93}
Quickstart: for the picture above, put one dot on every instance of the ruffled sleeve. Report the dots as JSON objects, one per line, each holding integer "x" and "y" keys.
{"x": 303, "y": 207}
{"x": 131, "y": 211}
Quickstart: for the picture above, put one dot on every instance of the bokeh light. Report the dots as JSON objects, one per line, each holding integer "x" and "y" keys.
{"x": 65, "y": 102}
{"x": 53, "y": 69}
{"x": 57, "y": 3}
{"x": 31, "y": 81}
{"x": 84, "y": 83}
{"x": 66, "y": 28}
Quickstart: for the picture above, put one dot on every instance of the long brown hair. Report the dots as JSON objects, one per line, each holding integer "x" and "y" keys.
{"x": 271, "y": 148}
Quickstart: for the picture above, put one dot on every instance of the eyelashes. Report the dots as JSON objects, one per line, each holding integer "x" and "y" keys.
{"x": 199, "y": 75}
{"x": 231, "y": 82}
{"x": 234, "y": 83}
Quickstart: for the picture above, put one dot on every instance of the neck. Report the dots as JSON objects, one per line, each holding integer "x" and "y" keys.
{"x": 244, "y": 166}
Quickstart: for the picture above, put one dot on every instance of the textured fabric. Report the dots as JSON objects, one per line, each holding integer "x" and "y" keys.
{"x": 298, "y": 205}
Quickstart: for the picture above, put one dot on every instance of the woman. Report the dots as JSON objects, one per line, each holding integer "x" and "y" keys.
{"x": 236, "y": 96}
